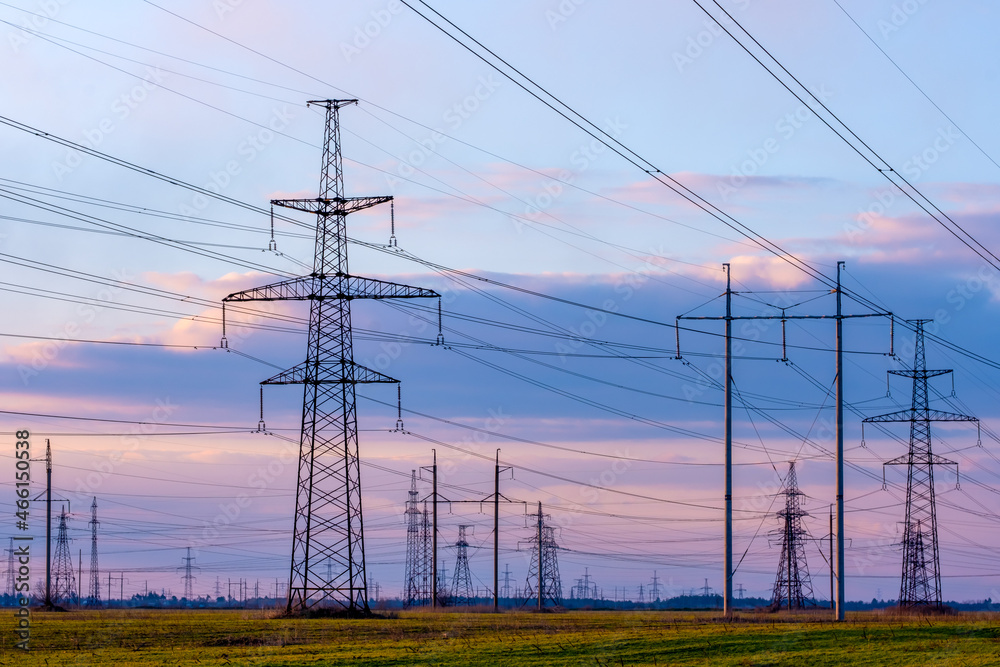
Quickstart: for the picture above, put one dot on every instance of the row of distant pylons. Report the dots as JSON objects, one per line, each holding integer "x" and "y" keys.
{"x": 423, "y": 585}
{"x": 61, "y": 578}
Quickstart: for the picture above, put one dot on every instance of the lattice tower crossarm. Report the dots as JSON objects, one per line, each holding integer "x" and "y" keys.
{"x": 328, "y": 521}
{"x": 920, "y": 582}
{"x": 792, "y": 586}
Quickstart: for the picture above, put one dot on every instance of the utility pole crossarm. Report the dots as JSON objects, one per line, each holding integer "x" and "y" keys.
{"x": 340, "y": 371}
{"x": 332, "y": 206}
{"x": 779, "y": 317}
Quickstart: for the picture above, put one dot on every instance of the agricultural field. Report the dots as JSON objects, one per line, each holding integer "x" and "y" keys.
{"x": 153, "y": 637}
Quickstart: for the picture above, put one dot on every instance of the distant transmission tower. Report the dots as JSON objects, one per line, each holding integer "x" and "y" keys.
{"x": 654, "y": 590}
{"x": 95, "y": 580}
{"x": 792, "y": 586}
{"x": 584, "y": 588}
{"x": 921, "y": 580}
{"x": 328, "y": 517}
{"x": 426, "y": 556}
{"x": 11, "y": 571}
{"x": 188, "y": 575}
{"x": 543, "y": 583}
{"x": 443, "y": 582}
{"x": 63, "y": 578}
{"x": 505, "y": 590}
{"x": 412, "y": 594}
{"x": 461, "y": 582}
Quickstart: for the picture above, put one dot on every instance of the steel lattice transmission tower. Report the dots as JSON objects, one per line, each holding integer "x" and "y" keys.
{"x": 188, "y": 574}
{"x": 328, "y": 516}
{"x": 921, "y": 579}
{"x": 95, "y": 581}
{"x": 11, "y": 571}
{"x": 426, "y": 555}
{"x": 412, "y": 595}
{"x": 505, "y": 591}
{"x": 461, "y": 580}
{"x": 792, "y": 586}
{"x": 543, "y": 582}
{"x": 63, "y": 577}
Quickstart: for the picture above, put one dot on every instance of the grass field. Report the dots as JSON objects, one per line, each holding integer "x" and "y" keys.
{"x": 150, "y": 637}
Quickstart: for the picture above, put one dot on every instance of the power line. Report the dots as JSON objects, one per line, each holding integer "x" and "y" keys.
{"x": 631, "y": 156}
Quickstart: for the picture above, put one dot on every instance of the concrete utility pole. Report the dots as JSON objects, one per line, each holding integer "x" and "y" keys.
{"x": 434, "y": 529}
{"x": 840, "y": 453}
{"x": 49, "y": 601}
{"x": 496, "y": 530}
{"x": 541, "y": 560}
{"x": 727, "y": 597}
{"x": 48, "y": 524}
{"x": 729, "y": 318}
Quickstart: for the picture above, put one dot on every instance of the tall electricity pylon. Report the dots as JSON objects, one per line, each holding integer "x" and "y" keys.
{"x": 426, "y": 556}
{"x": 921, "y": 579}
{"x": 543, "y": 581}
{"x": 412, "y": 595}
{"x": 95, "y": 582}
{"x": 63, "y": 577}
{"x": 188, "y": 574}
{"x": 505, "y": 591}
{"x": 792, "y": 586}
{"x": 9, "y": 588}
{"x": 328, "y": 518}
{"x": 461, "y": 581}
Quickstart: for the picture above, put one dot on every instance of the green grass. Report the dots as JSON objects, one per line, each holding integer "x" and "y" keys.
{"x": 147, "y": 637}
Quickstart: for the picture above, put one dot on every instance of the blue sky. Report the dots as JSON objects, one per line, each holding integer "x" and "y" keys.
{"x": 489, "y": 181}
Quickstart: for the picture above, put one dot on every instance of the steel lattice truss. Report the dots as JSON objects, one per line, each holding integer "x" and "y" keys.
{"x": 328, "y": 515}
{"x": 95, "y": 577}
{"x": 413, "y": 593}
{"x": 461, "y": 582}
{"x": 11, "y": 583}
{"x": 63, "y": 579}
{"x": 921, "y": 578}
{"x": 792, "y": 586}
{"x": 551, "y": 584}
{"x": 426, "y": 556}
